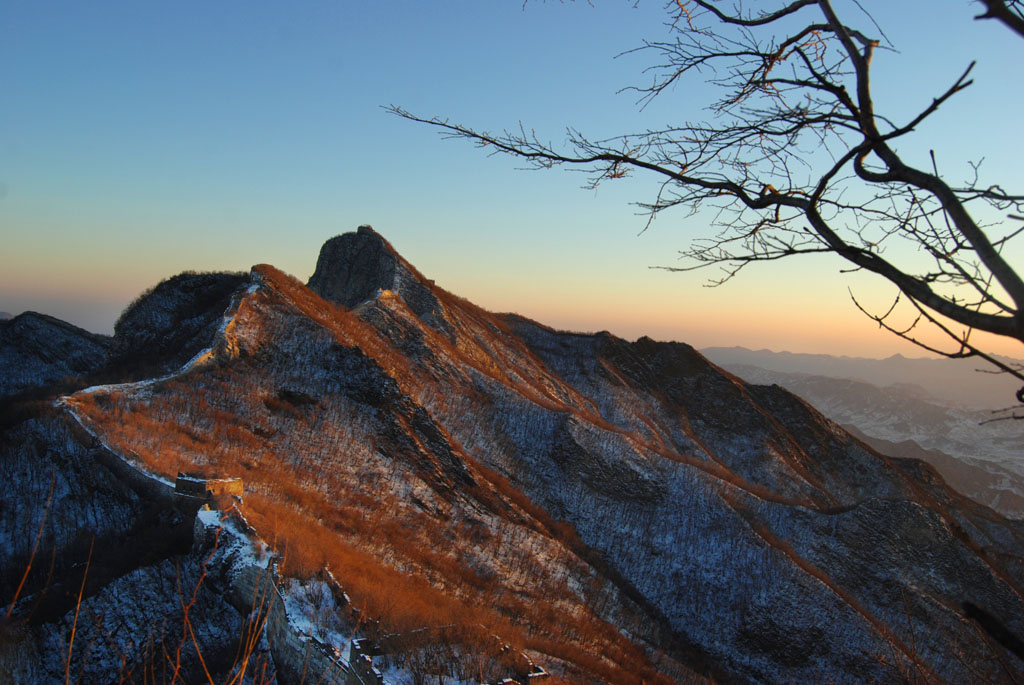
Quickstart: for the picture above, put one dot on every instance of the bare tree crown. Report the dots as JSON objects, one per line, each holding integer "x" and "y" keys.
{"x": 795, "y": 159}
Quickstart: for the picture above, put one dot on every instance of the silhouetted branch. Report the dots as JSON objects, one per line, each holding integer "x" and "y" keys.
{"x": 795, "y": 160}
{"x": 1010, "y": 12}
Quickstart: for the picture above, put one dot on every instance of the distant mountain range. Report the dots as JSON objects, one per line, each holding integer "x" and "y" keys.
{"x": 437, "y": 493}
{"x": 964, "y": 383}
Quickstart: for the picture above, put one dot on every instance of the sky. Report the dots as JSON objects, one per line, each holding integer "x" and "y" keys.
{"x": 138, "y": 140}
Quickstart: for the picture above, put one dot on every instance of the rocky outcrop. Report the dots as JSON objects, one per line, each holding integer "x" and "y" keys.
{"x": 250, "y": 583}
{"x": 355, "y": 267}
{"x": 36, "y": 350}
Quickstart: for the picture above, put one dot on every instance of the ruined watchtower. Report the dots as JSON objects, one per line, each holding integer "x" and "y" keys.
{"x": 193, "y": 485}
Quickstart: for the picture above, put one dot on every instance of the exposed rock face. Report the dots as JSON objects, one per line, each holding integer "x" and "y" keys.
{"x": 725, "y": 529}
{"x": 169, "y": 324}
{"x": 354, "y": 267}
{"x": 36, "y": 350}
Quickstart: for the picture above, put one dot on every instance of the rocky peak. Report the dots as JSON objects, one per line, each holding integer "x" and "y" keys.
{"x": 353, "y": 267}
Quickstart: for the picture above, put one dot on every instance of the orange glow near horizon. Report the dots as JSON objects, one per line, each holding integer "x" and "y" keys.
{"x": 743, "y": 315}
{"x": 805, "y": 309}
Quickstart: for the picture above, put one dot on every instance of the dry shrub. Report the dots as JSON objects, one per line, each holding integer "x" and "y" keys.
{"x": 392, "y": 570}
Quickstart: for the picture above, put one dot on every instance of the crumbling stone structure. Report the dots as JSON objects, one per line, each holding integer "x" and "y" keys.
{"x": 206, "y": 488}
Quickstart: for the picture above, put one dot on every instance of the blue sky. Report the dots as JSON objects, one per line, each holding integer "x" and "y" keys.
{"x": 141, "y": 139}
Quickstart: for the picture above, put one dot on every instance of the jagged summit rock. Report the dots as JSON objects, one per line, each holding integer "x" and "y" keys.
{"x": 355, "y": 267}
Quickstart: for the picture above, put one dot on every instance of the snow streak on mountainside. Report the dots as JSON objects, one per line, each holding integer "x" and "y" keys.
{"x": 625, "y": 511}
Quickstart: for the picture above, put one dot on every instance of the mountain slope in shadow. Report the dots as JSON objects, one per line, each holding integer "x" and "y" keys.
{"x": 624, "y": 511}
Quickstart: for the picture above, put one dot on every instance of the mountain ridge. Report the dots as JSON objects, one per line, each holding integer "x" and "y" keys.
{"x": 37, "y": 349}
{"x": 978, "y": 456}
{"x": 639, "y": 497}
{"x": 958, "y": 382}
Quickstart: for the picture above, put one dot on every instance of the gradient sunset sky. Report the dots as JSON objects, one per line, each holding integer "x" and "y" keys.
{"x": 140, "y": 139}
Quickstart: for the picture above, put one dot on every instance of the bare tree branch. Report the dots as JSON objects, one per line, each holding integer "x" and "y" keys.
{"x": 794, "y": 159}
{"x": 1010, "y": 12}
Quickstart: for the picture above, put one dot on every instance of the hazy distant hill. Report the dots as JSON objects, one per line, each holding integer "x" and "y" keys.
{"x": 983, "y": 460}
{"x": 986, "y": 481}
{"x": 951, "y": 382}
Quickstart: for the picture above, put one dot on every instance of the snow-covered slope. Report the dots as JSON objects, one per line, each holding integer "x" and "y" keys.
{"x": 620, "y": 511}
{"x": 167, "y": 325}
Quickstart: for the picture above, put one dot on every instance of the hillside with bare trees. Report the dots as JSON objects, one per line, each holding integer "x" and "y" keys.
{"x": 478, "y": 489}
